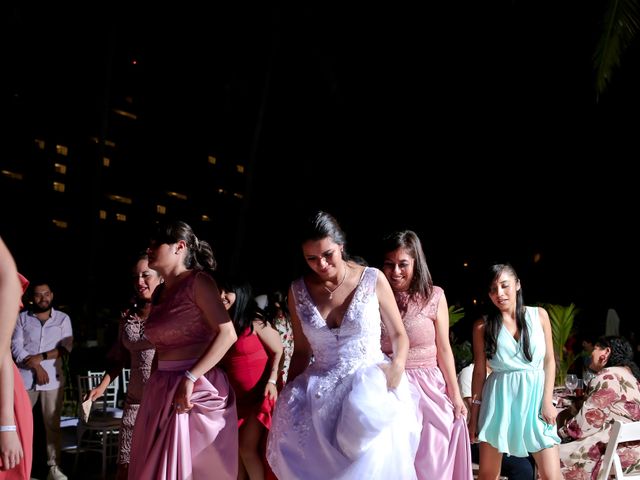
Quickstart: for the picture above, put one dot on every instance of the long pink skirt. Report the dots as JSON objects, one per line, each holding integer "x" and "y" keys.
{"x": 201, "y": 444}
{"x": 444, "y": 450}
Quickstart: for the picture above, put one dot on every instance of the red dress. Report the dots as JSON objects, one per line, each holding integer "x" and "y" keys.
{"x": 24, "y": 423}
{"x": 247, "y": 366}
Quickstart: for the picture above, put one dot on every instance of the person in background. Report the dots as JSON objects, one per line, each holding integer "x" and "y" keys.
{"x": 513, "y": 409}
{"x": 132, "y": 348}
{"x": 187, "y": 425}
{"x": 16, "y": 418}
{"x": 277, "y": 313}
{"x": 252, "y": 365}
{"x": 444, "y": 450}
{"x": 613, "y": 394}
{"x": 42, "y": 337}
{"x": 338, "y": 416}
{"x": 514, "y": 468}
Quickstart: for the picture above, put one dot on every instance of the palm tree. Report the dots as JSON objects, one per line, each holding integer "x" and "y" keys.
{"x": 621, "y": 24}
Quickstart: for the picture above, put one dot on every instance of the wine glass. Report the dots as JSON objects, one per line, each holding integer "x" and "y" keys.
{"x": 571, "y": 382}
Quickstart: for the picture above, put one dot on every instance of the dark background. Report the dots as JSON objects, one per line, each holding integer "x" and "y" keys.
{"x": 480, "y": 130}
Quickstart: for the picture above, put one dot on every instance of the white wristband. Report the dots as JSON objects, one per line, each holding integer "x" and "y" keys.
{"x": 8, "y": 428}
{"x": 190, "y": 376}
{"x": 476, "y": 402}
{"x": 272, "y": 381}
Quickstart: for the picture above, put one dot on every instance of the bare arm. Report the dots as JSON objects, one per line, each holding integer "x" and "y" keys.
{"x": 207, "y": 298}
{"x": 11, "y": 452}
{"x": 479, "y": 376}
{"x": 395, "y": 328}
{"x": 10, "y": 293}
{"x": 445, "y": 358}
{"x": 270, "y": 338}
{"x": 301, "y": 348}
{"x": 548, "y": 411}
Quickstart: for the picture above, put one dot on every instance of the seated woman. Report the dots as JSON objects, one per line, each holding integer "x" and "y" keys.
{"x": 613, "y": 394}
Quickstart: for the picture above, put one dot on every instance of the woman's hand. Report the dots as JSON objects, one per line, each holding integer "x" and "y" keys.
{"x": 182, "y": 397}
{"x": 394, "y": 374}
{"x": 11, "y": 452}
{"x": 94, "y": 394}
{"x": 548, "y": 413}
{"x": 473, "y": 428}
{"x": 459, "y": 407}
{"x": 271, "y": 391}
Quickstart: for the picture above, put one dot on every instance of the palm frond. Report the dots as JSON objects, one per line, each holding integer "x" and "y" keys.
{"x": 562, "y": 319}
{"x": 621, "y": 24}
{"x": 455, "y": 314}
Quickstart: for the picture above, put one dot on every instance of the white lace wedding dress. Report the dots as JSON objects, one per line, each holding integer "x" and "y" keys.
{"x": 338, "y": 420}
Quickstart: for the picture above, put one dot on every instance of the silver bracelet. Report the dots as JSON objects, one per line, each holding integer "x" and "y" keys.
{"x": 190, "y": 376}
{"x": 476, "y": 402}
{"x": 8, "y": 428}
{"x": 272, "y": 381}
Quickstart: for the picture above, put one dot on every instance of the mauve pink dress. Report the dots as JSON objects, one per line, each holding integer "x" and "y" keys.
{"x": 201, "y": 444}
{"x": 444, "y": 450}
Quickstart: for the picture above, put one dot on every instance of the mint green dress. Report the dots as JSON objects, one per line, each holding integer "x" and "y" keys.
{"x": 510, "y": 418}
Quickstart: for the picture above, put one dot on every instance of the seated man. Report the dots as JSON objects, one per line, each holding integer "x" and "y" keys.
{"x": 514, "y": 468}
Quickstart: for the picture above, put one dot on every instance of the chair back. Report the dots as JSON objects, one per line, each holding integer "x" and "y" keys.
{"x": 620, "y": 433}
{"x": 126, "y": 375}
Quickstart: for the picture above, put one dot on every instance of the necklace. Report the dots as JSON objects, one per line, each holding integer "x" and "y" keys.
{"x": 339, "y": 284}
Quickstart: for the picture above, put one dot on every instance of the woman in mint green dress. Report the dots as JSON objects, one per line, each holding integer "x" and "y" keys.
{"x": 512, "y": 410}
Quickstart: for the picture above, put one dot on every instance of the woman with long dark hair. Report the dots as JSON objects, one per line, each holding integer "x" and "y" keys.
{"x": 512, "y": 411}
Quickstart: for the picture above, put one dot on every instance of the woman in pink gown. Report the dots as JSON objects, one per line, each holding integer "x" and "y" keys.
{"x": 187, "y": 426}
{"x": 444, "y": 450}
{"x": 16, "y": 418}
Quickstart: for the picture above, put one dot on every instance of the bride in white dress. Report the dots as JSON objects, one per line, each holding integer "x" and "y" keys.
{"x": 349, "y": 414}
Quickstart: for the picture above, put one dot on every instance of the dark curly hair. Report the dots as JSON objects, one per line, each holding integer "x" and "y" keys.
{"x": 621, "y": 353}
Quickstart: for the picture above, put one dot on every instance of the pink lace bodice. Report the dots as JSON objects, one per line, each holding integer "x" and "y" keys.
{"x": 177, "y": 321}
{"x": 419, "y": 321}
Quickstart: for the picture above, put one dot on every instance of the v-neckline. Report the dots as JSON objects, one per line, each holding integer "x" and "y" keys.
{"x": 344, "y": 316}
{"x": 510, "y": 335}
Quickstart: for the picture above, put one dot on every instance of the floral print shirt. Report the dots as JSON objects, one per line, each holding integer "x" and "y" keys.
{"x": 283, "y": 325}
{"x": 613, "y": 394}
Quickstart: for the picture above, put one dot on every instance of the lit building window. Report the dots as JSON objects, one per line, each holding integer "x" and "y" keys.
{"x": 40, "y": 143}
{"x": 161, "y": 209}
{"x": 212, "y": 160}
{"x": 121, "y": 217}
{"x": 58, "y": 187}
{"x": 12, "y": 175}
{"x": 102, "y": 214}
{"x": 120, "y": 198}
{"x": 60, "y": 223}
{"x": 60, "y": 168}
{"x": 180, "y": 196}
{"x": 238, "y": 195}
{"x": 106, "y": 162}
{"x": 124, "y": 113}
{"x": 240, "y": 168}
{"x": 205, "y": 218}
{"x": 62, "y": 150}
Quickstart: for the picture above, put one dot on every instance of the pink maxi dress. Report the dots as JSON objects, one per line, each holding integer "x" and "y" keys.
{"x": 444, "y": 450}
{"x": 203, "y": 443}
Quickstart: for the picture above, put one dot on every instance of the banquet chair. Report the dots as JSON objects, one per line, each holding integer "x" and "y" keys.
{"x": 98, "y": 429}
{"x": 620, "y": 433}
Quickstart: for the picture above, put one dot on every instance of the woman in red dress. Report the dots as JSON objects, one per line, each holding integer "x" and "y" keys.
{"x": 16, "y": 418}
{"x": 252, "y": 365}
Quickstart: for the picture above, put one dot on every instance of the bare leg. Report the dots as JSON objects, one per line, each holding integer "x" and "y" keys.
{"x": 548, "y": 463}
{"x": 490, "y": 461}
{"x": 249, "y": 436}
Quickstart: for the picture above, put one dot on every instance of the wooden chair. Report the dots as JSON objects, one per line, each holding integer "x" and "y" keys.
{"x": 620, "y": 433}
{"x": 99, "y": 430}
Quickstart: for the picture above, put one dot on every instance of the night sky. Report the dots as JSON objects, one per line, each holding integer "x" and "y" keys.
{"x": 351, "y": 102}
